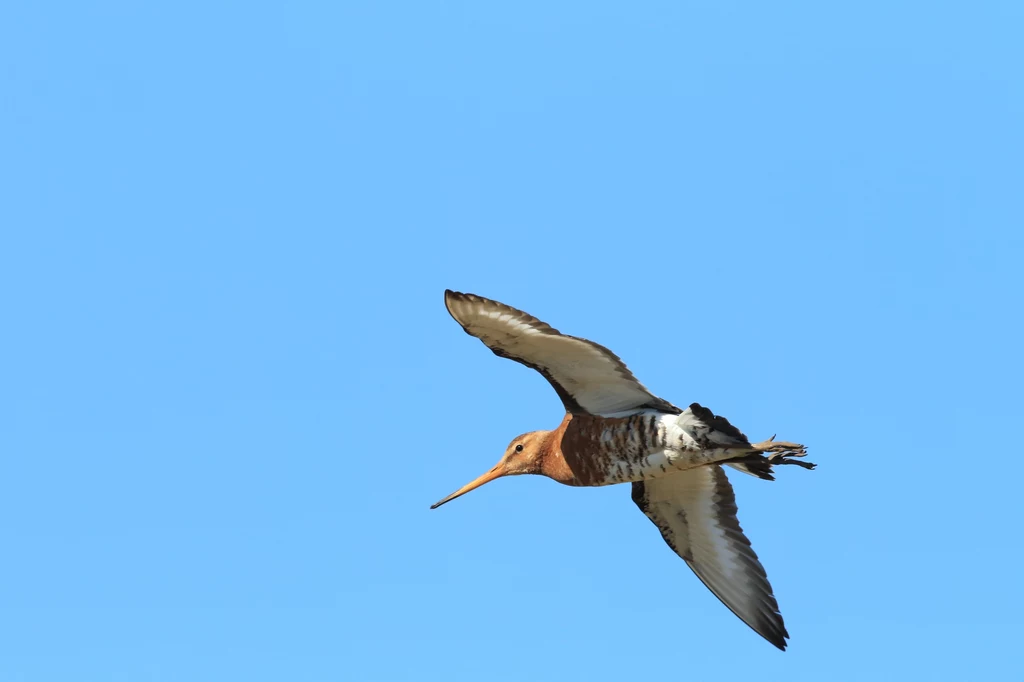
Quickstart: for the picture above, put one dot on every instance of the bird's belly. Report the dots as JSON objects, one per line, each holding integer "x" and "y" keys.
{"x": 611, "y": 470}
{"x": 629, "y": 469}
{"x": 605, "y": 451}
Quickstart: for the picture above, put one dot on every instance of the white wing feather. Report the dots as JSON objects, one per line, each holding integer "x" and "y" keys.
{"x": 695, "y": 510}
{"x": 587, "y": 376}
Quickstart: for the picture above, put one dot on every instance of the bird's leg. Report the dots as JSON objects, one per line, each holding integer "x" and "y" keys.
{"x": 780, "y": 451}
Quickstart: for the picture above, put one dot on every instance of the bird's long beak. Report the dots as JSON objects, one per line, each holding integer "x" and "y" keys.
{"x": 497, "y": 472}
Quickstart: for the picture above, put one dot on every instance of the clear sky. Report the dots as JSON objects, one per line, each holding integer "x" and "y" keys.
{"x": 229, "y": 389}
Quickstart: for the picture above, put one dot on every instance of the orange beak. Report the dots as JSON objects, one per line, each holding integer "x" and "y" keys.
{"x": 497, "y": 472}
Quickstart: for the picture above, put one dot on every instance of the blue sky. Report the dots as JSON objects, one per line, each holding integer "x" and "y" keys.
{"x": 230, "y": 389}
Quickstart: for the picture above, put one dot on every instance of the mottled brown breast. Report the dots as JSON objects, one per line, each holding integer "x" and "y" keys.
{"x": 593, "y": 447}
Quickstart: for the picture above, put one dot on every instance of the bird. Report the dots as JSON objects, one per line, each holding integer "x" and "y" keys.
{"x": 616, "y": 431}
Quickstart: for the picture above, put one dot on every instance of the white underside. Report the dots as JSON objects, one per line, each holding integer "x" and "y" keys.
{"x": 682, "y": 432}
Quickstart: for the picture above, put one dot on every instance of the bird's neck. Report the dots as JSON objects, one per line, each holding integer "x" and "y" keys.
{"x": 552, "y": 461}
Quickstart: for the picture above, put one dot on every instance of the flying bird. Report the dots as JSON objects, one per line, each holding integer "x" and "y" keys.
{"x": 616, "y": 431}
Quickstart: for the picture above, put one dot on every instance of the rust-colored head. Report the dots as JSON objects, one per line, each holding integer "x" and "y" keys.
{"x": 524, "y": 455}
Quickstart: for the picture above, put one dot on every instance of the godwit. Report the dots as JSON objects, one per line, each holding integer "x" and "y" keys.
{"x": 616, "y": 431}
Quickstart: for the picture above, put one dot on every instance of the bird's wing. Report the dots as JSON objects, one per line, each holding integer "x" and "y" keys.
{"x": 588, "y": 377}
{"x": 695, "y": 510}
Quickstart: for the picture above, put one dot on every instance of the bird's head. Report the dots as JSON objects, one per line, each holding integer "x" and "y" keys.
{"x": 524, "y": 455}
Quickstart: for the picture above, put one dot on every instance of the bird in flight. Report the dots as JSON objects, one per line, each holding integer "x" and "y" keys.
{"x": 616, "y": 431}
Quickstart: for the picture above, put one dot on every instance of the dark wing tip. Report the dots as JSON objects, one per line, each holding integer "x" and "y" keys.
{"x": 778, "y": 642}
{"x": 774, "y": 631}
{"x": 769, "y": 625}
{"x": 772, "y": 627}
{"x": 454, "y": 297}
{"x": 451, "y": 296}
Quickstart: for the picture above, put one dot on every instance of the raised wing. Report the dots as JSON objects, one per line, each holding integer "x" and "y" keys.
{"x": 695, "y": 510}
{"x": 588, "y": 377}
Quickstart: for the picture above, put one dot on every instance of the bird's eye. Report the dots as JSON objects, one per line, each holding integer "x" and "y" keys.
{"x": 519, "y": 448}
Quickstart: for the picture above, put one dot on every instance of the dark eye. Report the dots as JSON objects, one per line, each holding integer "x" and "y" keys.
{"x": 519, "y": 448}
